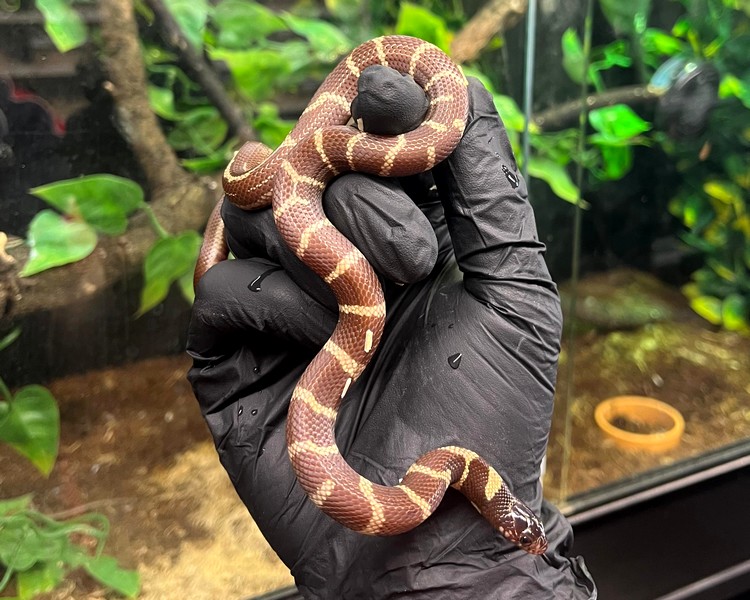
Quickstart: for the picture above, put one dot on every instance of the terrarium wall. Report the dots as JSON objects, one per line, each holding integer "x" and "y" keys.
{"x": 652, "y": 249}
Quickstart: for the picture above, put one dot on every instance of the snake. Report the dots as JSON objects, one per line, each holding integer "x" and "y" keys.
{"x": 291, "y": 179}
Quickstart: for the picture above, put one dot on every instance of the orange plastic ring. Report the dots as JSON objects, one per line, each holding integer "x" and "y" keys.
{"x": 645, "y": 410}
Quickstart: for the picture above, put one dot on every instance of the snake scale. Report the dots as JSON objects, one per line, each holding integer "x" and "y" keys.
{"x": 292, "y": 179}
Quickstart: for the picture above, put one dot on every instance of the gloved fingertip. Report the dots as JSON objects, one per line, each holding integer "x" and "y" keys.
{"x": 387, "y": 102}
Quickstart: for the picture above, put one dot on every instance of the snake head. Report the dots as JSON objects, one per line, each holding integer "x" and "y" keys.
{"x": 522, "y": 527}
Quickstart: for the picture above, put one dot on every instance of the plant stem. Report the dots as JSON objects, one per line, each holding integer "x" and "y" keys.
{"x": 576, "y": 260}
{"x": 4, "y": 391}
{"x": 161, "y": 232}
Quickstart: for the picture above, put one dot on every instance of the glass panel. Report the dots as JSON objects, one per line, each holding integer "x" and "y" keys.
{"x": 112, "y": 143}
{"x": 656, "y": 291}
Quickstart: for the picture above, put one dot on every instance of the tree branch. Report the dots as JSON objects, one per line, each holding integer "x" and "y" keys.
{"x": 563, "y": 115}
{"x": 497, "y": 16}
{"x": 201, "y": 71}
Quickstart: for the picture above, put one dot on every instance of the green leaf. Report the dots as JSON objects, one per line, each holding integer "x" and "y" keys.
{"x": 327, "y": 41}
{"x": 421, "y": 23}
{"x": 106, "y": 570}
{"x": 724, "y": 191}
{"x": 255, "y": 72}
{"x": 506, "y": 106}
{"x": 14, "y": 505}
{"x": 55, "y": 241}
{"x": 162, "y": 101}
{"x": 185, "y": 284}
{"x": 241, "y": 23}
{"x": 191, "y": 16}
{"x": 572, "y": 49}
{"x": 270, "y": 127}
{"x": 615, "y": 54}
{"x": 556, "y": 177}
{"x": 618, "y": 122}
{"x": 733, "y": 86}
{"x": 617, "y": 161}
{"x": 22, "y": 545}
{"x": 627, "y": 16}
{"x": 63, "y": 25}
{"x": 213, "y": 162}
{"x": 168, "y": 260}
{"x": 103, "y": 201}
{"x": 10, "y": 338}
{"x": 39, "y": 579}
{"x": 202, "y": 129}
{"x": 346, "y": 10}
{"x": 573, "y": 60}
{"x": 708, "y": 307}
{"x": 660, "y": 43}
{"x": 509, "y": 112}
{"x": 32, "y": 426}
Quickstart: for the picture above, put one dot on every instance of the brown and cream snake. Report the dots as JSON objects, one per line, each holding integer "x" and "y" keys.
{"x": 292, "y": 179}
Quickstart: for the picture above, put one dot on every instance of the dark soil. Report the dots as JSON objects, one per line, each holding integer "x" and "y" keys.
{"x": 639, "y": 427}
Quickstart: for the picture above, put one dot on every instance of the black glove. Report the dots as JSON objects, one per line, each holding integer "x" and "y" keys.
{"x": 468, "y": 357}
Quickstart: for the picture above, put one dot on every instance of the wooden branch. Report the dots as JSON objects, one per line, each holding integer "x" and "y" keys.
{"x": 201, "y": 71}
{"x": 179, "y": 200}
{"x": 566, "y": 114}
{"x": 497, "y": 16}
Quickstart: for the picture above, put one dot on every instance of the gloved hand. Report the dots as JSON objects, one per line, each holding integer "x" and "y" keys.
{"x": 468, "y": 357}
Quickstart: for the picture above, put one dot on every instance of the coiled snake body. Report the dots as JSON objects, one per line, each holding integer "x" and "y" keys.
{"x": 292, "y": 180}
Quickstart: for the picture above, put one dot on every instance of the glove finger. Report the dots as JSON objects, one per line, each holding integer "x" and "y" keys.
{"x": 375, "y": 214}
{"x": 238, "y": 300}
{"x": 486, "y": 202}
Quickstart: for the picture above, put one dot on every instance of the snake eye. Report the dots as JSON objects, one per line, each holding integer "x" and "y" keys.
{"x": 525, "y": 540}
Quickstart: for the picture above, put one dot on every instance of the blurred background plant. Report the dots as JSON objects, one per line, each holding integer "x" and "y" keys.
{"x": 37, "y": 551}
{"x": 269, "y": 61}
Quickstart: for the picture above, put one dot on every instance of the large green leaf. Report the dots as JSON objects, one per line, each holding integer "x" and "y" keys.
{"x": 56, "y": 241}
{"x": 201, "y": 129}
{"x": 168, "y": 260}
{"x": 556, "y": 177}
{"x": 574, "y": 61}
{"x": 327, "y": 41}
{"x": 8, "y": 339}
{"x": 506, "y": 106}
{"x": 270, "y": 127}
{"x": 660, "y": 43}
{"x": 41, "y": 578}
{"x": 626, "y": 16}
{"x": 162, "y": 102}
{"x": 617, "y": 161}
{"x": 14, "y": 505}
{"x": 63, "y": 24}
{"x": 106, "y": 570}
{"x": 708, "y": 307}
{"x": 347, "y": 10}
{"x": 32, "y": 426}
{"x": 212, "y": 162}
{"x": 241, "y": 23}
{"x": 421, "y": 23}
{"x": 255, "y": 72}
{"x": 617, "y": 123}
{"x": 103, "y": 201}
{"x": 191, "y": 16}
